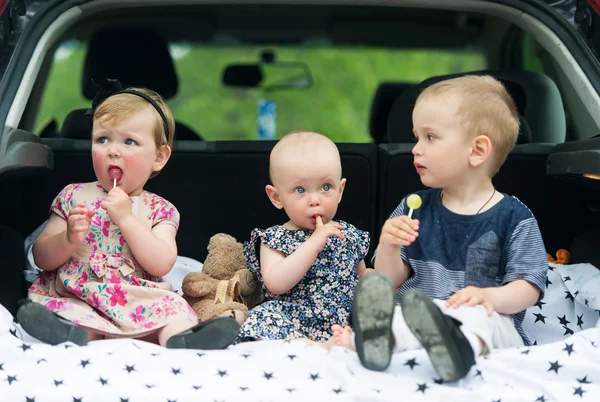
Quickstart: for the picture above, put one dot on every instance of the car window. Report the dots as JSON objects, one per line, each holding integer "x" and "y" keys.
{"x": 337, "y": 104}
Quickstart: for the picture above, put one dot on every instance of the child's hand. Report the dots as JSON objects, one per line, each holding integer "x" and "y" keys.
{"x": 399, "y": 231}
{"x": 324, "y": 232}
{"x": 471, "y": 296}
{"x": 78, "y": 224}
{"x": 118, "y": 205}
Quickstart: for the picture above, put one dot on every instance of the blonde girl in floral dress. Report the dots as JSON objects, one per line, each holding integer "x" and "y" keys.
{"x": 108, "y": 243}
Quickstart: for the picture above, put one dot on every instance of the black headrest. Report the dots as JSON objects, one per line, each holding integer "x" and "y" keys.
{"x": 536, "y": 96}
{"x": 134, "y": 57}
{"x": 386, "y": 94}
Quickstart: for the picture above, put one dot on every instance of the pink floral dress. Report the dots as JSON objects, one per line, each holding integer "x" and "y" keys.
{"x": 102, "y": 286}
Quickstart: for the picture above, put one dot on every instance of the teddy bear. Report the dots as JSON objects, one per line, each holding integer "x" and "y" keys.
{"x": 225, "y": 287}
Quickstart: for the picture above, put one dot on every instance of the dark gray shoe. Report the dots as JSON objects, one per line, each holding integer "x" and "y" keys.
{"x": 217, "y": 333}
{"x": 49, "y": 327}
{"x": 372, "y": 313}
{"x": 449, "y": 350}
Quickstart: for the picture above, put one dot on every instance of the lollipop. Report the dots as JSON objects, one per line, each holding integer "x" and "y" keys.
{"x": 414, "y": 202}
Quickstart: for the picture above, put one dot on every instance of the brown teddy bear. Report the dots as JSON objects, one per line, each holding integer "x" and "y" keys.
{"x": 225, "y": 287}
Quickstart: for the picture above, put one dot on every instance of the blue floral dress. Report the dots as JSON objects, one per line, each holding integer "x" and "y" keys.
{"x": 322, "y": 298}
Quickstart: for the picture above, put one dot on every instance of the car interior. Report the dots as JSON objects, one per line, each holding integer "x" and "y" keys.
{"x": 217, "y": 181}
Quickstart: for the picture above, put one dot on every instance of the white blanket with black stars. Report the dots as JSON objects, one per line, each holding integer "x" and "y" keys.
{"x": 567, "y": 369}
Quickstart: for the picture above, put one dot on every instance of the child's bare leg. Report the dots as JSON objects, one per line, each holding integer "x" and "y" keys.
{"x": 173, "y": 328}
{"x": 93, "y": 335}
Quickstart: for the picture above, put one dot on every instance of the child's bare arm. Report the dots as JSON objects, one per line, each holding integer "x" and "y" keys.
{"x": 60, "y": 239}
{"x": 513, "y": 297}
{"x": 396, "y": 232}
{"x": 280, "y": 273}
{"x": 155, "y": 250}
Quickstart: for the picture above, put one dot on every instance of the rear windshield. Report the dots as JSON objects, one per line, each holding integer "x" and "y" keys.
{"x": 337, "y": 104}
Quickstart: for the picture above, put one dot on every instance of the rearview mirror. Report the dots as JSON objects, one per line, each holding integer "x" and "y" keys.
{"x": 268, "y": 76}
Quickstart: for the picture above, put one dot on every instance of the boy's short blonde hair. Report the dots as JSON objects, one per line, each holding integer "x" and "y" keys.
{"x": 484, "y": 108}
{"x": 121, "y": 106}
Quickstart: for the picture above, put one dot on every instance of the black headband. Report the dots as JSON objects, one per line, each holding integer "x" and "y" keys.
{"x": 109, "y": 87}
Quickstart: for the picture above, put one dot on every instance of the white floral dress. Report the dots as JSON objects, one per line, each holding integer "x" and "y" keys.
{"x": 102, "y": 286}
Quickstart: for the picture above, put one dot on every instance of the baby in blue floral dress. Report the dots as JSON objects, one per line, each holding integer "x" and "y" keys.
{"x": 310, "y": 265}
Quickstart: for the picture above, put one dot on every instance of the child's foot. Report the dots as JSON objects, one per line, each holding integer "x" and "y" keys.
{"x": 342, "y": 336}
{"x": 49, "y": 327}
{"x": 217, "y": 333}
{"x": 372, "y": 313}
{"x": 447, "y": 347}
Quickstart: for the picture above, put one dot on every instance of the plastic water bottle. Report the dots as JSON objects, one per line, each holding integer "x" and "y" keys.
{"x": 266, "y": 119}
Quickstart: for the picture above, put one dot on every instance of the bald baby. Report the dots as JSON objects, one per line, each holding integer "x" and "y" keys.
{"x": 303, "y": 148}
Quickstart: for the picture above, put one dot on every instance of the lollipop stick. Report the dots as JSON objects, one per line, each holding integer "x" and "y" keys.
{"x": 410, "y": 211}
{"x": 114, "y": 182}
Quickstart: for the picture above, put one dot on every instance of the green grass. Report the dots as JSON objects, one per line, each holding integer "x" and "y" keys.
{"x": 338, "y": 103}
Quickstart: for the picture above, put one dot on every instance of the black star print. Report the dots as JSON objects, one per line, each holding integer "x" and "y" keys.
{"x": 150, "y": 386}
{"x": 539, "y": 317}
{"x": 176, "y": 371}
{"x": 540, "y": 399}
{"x": 25, "y": 347}
{"x": 569, "y": 296}
{"x": 554, "y": 366}
{"x": 222, "y": 373}
{"x": 587, "y": 303}
{"x": 438, "y": 381}
{"x": 411, "y": 363}
{"x": 11, "y": 379}
{"x": 246, "y": 356}
{"x": 576, "y": 293}
{"x": 539, "y": 304}
{"x": 290, "y": 390}
{"x": 579, "y": 391}
{"x": 499, "y": 400}
{"x": 268, "y": 376}
{"x": 67, "y": 346}
{"x": 13, "y": 332}
{"x": 28, "y": 399}
{"x": 568, "y": 331}
{"x": 244, "y": 388}
{"x": 566, "y": 279}
{"x": 563, "y": 320}
{"x": 479, "y": 374}
{"x": 42, "y": 360}
{"x": 568, "y": 348}
{"x": 525, "y": 352}
{"x": 174, "y": 400}
{"x": 550, "y": 267}
{"x": 103, "y": 381}
{"x": 155, "y": 354}
{"x": 200, "y": 354}
{"x": 338, "y": 390}
{"x": 77, "y": 399}
{"x": 292, "y": 357}
{"x": 130, "y": 368}
{"x": 124, "y": 399}
{"x": 314, "y": 377}
{"x": 57, "y": 383}
{"x": 1, "y": 366}
{"x": 548, "y": 282}
{"x": 583, "y": 380}
{"x": 85, "y": 363}
{"x": 422, "y": 387}
{"x": 580, "y": 321}
{"x": 376, "y": 390}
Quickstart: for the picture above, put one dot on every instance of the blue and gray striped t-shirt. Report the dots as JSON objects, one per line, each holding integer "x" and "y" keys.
{"x": 489, "y": 249}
